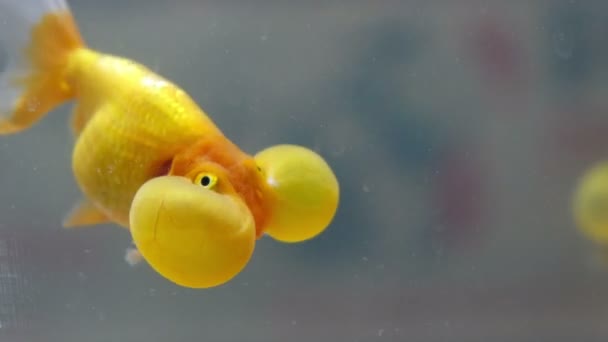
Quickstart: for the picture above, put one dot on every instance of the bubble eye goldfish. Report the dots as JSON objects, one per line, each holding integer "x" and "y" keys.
{"x": 591, "y": 204}
{"x": 146, "y": 157}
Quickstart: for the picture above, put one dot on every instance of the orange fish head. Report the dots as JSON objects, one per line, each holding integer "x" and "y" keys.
{"x": 240, "y": 177}
{"x": 237, "y": 174}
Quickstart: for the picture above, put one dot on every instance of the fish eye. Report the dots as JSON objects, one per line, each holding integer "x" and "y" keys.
{"x": 206, "y": 180}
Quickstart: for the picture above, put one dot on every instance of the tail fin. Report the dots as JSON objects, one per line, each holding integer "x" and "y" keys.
{"x": 36, "y": 40}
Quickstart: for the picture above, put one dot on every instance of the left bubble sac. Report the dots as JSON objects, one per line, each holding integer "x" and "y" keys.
{"x": 192, "y": 236}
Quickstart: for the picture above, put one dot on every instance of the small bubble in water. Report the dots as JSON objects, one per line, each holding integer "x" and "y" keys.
{"x": 380, "y": 332}
{"x": 562, "y": 45}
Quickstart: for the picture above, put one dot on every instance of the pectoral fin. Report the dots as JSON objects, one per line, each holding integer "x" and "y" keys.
{"x": 84, "y": 214}
{"x": 133, "y": 257}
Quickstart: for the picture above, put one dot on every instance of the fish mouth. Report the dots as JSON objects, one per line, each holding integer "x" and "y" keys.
{"x": 192, "y": 236}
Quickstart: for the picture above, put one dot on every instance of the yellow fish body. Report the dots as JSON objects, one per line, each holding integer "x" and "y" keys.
{"x": 148, "y": 158}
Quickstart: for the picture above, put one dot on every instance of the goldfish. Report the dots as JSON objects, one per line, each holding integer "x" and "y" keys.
{"x": 147, "y": 158}
{"x": 590, "y": 210}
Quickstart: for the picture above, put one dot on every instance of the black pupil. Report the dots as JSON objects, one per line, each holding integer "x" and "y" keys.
{"x": 205, "y": 180}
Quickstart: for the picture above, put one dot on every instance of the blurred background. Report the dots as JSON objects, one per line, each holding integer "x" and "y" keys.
{"x": 457, "y": 130}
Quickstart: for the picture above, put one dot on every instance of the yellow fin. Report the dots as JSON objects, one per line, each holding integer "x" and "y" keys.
{"x": 39, "y": 39}
{"x": 79, "y": 117}
{"x": 84, "y": 214}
